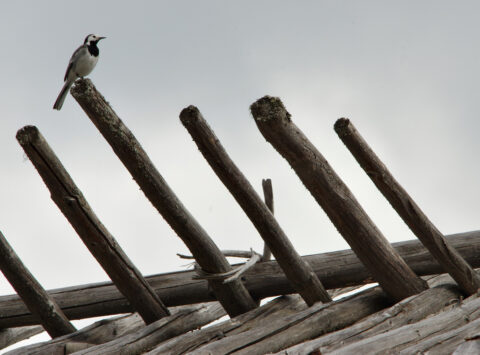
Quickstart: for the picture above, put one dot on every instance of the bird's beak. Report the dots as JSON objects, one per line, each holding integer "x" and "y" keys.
{"x": 99, "y": 38}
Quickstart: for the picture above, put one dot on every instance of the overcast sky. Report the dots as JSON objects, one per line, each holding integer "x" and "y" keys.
{"x": 406, "y": 73}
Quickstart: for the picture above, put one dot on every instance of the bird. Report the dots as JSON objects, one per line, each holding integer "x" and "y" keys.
{"x": 81, "y": 64}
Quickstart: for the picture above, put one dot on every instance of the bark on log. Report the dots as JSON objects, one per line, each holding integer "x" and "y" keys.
{"x": 401, "y": 338}
{"x": 190, "y": 318}
{"x": 10, "y": 336}
{"x": 353, "y": 223}
{"x": 93, "y": 233}
{"x": 94, "y": 334}
{"x": 233, "y": 296}
{"x": 299, "y": 273}
{"x": 407, "y": 311}
{"x": 37, "y": 300}
{"x": 336, "y": 270}
{"x": 278, "y": 332}
{"x": 406, "y": 207}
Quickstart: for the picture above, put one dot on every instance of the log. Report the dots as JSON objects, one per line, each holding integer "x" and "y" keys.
{"x": 399, "y": 339}
{"x": 268, "y": 197}
{"x": 278, "y": 332}
{"x": 89, "y": 228}
{"x": 233, "y": 296}
{"x": 407, "y": 311}
{"x": 37, "y": 300}
{"x": 299, "y": 273}
{"x": 337, "y": 269}
{"x": 406, "y": 207}
{"x": 331, "y": 193}
{"x": 138, "y": 342}
{"x": 275, "y": 309}
{"x": 94, "y": 334}
{"x": 10, "y": 336}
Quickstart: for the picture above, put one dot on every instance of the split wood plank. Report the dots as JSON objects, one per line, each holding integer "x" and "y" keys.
{"x": 233, "y": 296}
{"x": 331, "y": 193}
{"x": 90, "y": 229}
{"x": 268, "y": 197}
{"x": 406, "y": 207}
{"x": 299, "y": 273}
{"x": 337, "y": 269}
{"x": 37, "y": 300}
{"x": 10, "y": 336}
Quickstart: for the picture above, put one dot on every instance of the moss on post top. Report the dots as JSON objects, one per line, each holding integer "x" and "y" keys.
{"x": 269, "y": 108}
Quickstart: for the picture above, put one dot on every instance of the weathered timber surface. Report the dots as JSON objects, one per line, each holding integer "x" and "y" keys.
{"x": 10, "y": 336}
{"x": 331, "y": 193}
{"x": 103, "y": 246}
{"x": 233, "y": 295}
{"x": 407, "y": 311}
{"x": 299, "y": 273}
{"x": 470, "y": 345}
{"x": 138, "y": 342}
{"x": 268, "y": 197}
{"x": 277, "y": 333}
{"x": 446, "y": 343}
{"x": 94, "y": 334}
{"x": 37, "y": 300}
{"x": 336, "y": 270}
{"x": 406, "y": 207}
{"x": 401, "y": 338}
{"x": 275, "y": 309}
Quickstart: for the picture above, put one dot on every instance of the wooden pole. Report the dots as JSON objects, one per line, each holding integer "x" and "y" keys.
{"x": 331, "y": 193}
{"x": 268, "y": 197}
{"x": 37, "y": 300}
{"x": 406, "y": 207}
{"x": 297, "y": 271}
{"x": 233, "y": 296}
{"x": 93, "y": 233}
{"x": 337, "y": 269}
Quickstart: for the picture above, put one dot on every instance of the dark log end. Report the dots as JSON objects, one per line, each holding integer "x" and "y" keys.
{"x": 27, "y": 134}
{"x": 269, "y": 108}
{"x": 189, "y": 115}
{"x": 342, "y": 126}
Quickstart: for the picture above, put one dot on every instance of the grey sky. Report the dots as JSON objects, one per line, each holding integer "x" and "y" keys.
{"x": 406, "y": 73}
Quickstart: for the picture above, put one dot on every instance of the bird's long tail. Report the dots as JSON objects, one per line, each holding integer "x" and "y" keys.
{"x": 63, "y": 94}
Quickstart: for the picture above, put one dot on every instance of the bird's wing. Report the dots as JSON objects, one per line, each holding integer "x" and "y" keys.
{"x": 74, "y": 57}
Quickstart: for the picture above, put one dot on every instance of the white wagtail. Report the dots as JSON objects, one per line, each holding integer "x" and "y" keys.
{"x": 81, "y": 64}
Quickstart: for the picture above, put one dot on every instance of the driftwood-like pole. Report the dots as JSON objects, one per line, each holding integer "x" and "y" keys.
{"x": 268, "y": 197}
{"x": 299, "y": 273}
{"x": 337, "y": 269}
{"x": 93, "y": 233}
{"x": 331, "y": 193}
{"x": 233, "y": 296}
{"x": 37, "y": 300}
{"x": 406, "y": 207}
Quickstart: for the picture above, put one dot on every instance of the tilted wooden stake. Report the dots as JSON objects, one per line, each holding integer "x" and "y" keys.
{"x": 297, "y": 271}
{"x": 406, "y": 207}
{"x": 371, "y": 247}
{"x": 37, "y": 300}
{"x": 93, "y": 233}
{"x": 268, "y": 197}
{"x": 233, "y": 296}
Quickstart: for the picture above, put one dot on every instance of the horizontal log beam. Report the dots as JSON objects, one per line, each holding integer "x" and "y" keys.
{"x": 335, "y": 269}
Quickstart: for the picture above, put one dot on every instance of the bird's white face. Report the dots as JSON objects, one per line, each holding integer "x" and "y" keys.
{"x": 92, "y": 38}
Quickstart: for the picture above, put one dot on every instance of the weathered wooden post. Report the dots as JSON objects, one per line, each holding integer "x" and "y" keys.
{"x": 298, "y": 272}
{"x": 93, "y": 233}
{"x": 268, "y": 197}
{"x": 37, "y": 300}
{"x": 406, "y": 207}
{"x": 331, "y": 193}
{"x": 233, "y": 296}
